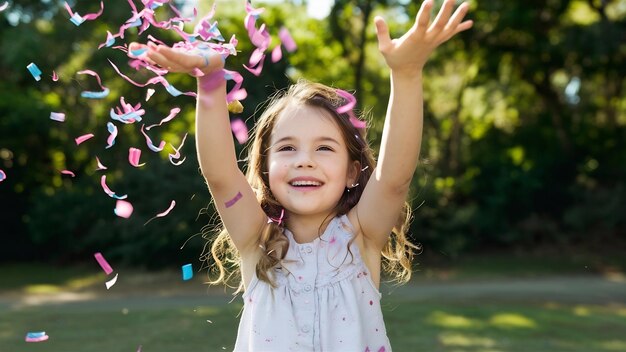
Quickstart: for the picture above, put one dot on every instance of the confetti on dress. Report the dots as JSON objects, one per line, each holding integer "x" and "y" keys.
{"x": 34, "y": 71}
{"x": 38, "y": 336}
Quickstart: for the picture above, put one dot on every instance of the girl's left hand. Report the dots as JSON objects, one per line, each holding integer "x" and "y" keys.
{"x": 409, "y": 53}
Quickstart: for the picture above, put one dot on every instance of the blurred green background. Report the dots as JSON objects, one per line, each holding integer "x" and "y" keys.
{"x": 522, "y": 171}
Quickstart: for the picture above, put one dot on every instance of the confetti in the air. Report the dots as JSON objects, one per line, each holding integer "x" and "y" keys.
{"x": 123, "y": 209}
{"x": 4, "y": 6}
{"x": 240, "y": 130}
{"x": 111, "y": 282}
{"x": 160, "y": 215}
{"x": 38, "y": 336}
{"x": 133, "y": 157}
{"x": 107, "y": 190}
{"x": 57, "y": 116}
{"x": 112, "y": 135}
{"x": 94, "y": 94}
{"x": 103, "y": 263}
{"x": 78, "y": 19}
{"x": 187, "y": 272}
{"x": 34, "y": 71}
{"x": 3, "y": 176}
{"x": 68, "y": 172}
{"x": 83, "y": 138}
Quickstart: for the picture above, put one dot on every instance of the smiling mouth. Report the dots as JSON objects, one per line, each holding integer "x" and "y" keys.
{"x": 305, "y": 183}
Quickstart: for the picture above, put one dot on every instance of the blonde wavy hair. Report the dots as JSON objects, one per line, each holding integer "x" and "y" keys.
{"x": 398, "y": 252}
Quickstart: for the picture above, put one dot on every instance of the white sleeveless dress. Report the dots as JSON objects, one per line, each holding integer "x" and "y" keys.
{"x": 325, "y": 300}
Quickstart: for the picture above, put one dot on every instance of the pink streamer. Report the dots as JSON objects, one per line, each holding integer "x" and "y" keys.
{"x": 287, "y": 40}
{"x": 103, "y": 263}
{"x": 83, "y": 138}
{"x": 108, "y": 191}
{"x": 133, "y": 157}
{"x": 68, "y": 172}
{"x": 176, "y": 155}
{"x": 162, "y": 214}
{"x": 150, "y": 144}
{"x": 240, "y": 130}
{"x": 100, "y": 166}
{"x": 169, "y": 118}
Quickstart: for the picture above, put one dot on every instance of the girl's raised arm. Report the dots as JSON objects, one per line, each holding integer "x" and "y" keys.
{"x": 235, "y": 200}
{"x": 386, "y": 191}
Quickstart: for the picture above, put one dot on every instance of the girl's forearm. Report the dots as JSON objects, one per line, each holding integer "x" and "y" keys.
{"x": 402, "y": 132}
{"x": 214, "y": 141}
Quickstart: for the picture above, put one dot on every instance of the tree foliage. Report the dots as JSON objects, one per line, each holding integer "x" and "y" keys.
{"x": 523, "y": 146}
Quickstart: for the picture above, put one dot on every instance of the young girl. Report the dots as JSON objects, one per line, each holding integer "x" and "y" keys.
{"x": 315, "y": 218}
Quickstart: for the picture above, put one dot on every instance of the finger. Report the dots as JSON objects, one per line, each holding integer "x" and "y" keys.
{"x": 159, "y": 59}
{"x": 443, "y": 16}
{"x": 423, "y": 16}
{"x": 382, "y": 33}
{"x": 458, "y": 16}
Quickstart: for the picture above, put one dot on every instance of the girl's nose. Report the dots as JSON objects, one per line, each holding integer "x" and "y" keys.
{"x": 304, "y": 160}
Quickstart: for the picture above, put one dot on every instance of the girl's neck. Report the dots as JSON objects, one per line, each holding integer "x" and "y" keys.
{"x": 306, "y": 228}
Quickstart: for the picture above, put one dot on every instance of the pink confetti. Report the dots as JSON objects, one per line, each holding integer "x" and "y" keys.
{"x": 93, "y": 94}
{"x": 176, "y": 155}
{"x": 133, "y": 157}
{"x": 287, "y": 40}
{"x": 277, "y": 54}
{"x": 103, "y": 263}
{"x": 83, "y": 138}
{"x": 232, "y": 202}
{"x": 240, "y": 130}
{"x": 78, "y": 19}
{"x": 160, "y": 215}
{"x": 347, "y": 108}
{"x": 113, "y": 133}
{"x": 107, "y": 190}
{"x": 168, "y": 118}
{"x": 150, "y": 144}
{"x": 68, "y": 172}
{"x": 3, "y": 176}
{"x": 57, "y": 116}
{"x": 123, "y": 209}
{"x": 4, "y": 6}
{"x": 55, "y": 77}
{"x": 100, "y": 166}
{"x": 127, "y": 113}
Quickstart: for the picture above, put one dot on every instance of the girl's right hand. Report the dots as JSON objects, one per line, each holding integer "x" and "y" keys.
{"x": 205, "y": 59}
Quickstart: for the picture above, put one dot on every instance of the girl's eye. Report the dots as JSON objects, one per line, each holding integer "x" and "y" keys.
{"x": 286, "y": 148}
{"x": 325, "y": 148}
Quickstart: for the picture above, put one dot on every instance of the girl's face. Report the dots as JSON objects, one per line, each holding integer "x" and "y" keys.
{"x": 308, "y": 163}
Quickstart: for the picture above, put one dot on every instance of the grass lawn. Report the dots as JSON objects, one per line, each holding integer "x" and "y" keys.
{"x": 159, "y": 312}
